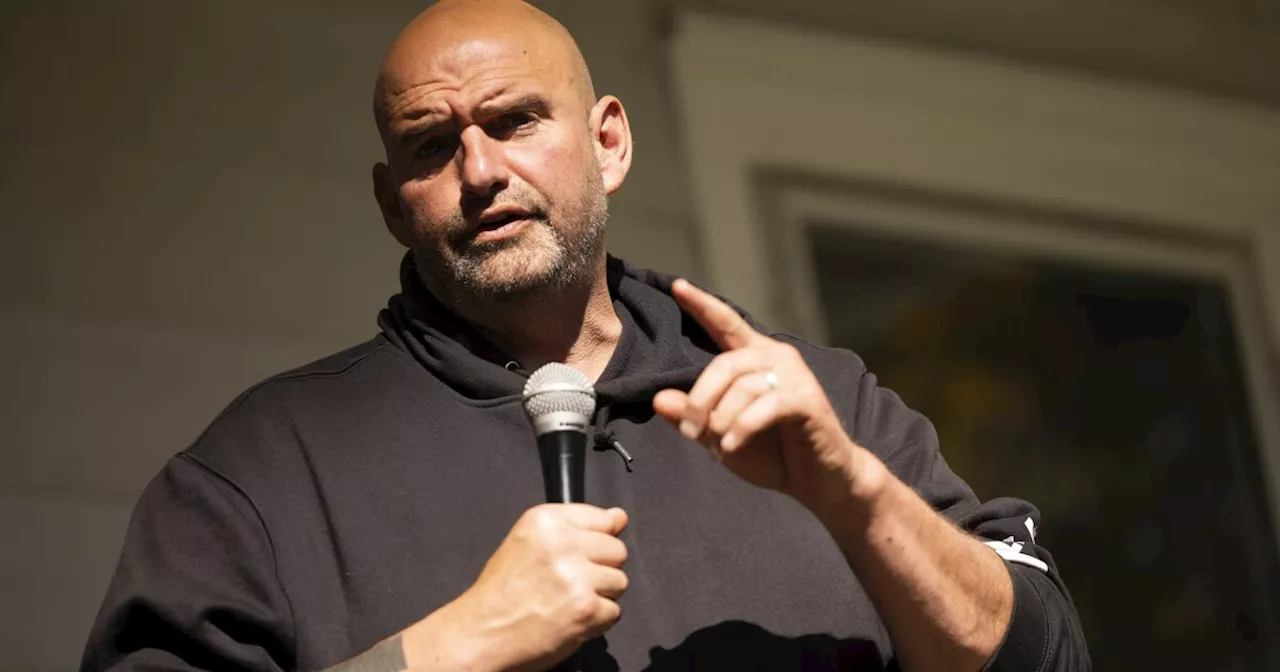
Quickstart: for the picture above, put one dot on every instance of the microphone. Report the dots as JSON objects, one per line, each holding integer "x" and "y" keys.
{"x": 560, "y": 401}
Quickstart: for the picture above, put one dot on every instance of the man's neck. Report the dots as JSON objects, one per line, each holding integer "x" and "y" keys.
{"x": 576, "y": 325}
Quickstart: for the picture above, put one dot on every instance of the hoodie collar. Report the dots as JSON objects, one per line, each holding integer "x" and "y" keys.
{"x": 660, "y": 347}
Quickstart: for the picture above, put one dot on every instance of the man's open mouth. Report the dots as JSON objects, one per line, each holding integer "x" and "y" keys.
{"x": 501, "y": 226}
{"x": 502, "y": 220}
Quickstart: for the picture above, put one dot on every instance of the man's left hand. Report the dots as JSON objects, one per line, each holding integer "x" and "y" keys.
{"x": 758, "y": 408}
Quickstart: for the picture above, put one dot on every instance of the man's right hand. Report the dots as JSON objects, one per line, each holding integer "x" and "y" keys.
{"x": 551, "y": 586}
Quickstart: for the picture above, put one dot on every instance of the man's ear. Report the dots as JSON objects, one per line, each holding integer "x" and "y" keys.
{"x": 612, "y": 135}
{"x": 388, "y": 197}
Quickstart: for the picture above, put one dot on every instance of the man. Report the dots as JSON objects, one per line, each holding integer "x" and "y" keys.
{"x": 378, "y": 510}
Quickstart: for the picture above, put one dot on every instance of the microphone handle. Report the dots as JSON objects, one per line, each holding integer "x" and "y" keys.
{"x": 563, "y": 454}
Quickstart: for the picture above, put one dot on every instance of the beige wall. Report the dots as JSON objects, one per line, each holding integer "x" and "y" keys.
{"x": 187, "y": 211}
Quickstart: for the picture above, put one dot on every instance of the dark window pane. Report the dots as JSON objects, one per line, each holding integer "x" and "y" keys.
{"x": 1113, "y": 401}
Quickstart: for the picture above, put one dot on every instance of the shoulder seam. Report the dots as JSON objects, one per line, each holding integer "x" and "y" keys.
{"x": 271, "y": 546}
{"x": 282, "y": 377}
{"x": 295, "y": 375}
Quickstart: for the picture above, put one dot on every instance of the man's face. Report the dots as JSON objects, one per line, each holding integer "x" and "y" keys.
{"x": 492, "y": 159}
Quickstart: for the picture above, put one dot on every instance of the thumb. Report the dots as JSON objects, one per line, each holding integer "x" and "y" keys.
{"x": 671, "y": 405}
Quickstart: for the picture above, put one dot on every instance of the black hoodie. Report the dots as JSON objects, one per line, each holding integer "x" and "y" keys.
{"x": 332, "y": 506}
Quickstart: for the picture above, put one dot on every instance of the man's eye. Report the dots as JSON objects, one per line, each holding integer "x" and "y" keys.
{"x": 433, "y": 147}
{"x": 515, "y": 121}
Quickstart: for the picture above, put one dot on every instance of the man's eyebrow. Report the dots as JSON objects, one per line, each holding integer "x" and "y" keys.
{"x": 411, "y": 118}
{"x": 413, "y": 123}
{"x": 410, "y": 127}
{"x": 530, "y": 103}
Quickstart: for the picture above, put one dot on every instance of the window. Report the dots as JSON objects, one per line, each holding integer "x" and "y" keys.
{"x": 1112, "y": 400}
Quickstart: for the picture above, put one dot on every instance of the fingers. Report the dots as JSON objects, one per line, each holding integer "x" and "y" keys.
{"x": 762, "y": 413}
{"x": 679, "y": 410}
{"x": 715, "y": 381}
{"x": 609, "y": 582}
{"x": 587, "y": 517}
{"x": 745, "y": 390}
{"x": 601, "y": 614}
{"x": 587, "y": 529}
{"x": 619, "y": 519}
{"x": 603, "y": 549}
{"x": 747, "y": 407}
{"x": 725, "y": 326}
{"x": 670, "y": 404}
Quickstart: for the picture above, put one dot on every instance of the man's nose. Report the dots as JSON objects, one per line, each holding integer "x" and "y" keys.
{"x": 484, "y": 167}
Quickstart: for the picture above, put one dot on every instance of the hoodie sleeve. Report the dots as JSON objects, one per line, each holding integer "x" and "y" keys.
{"x": 196, "y": 587}
{"x": 1044, "y": 632}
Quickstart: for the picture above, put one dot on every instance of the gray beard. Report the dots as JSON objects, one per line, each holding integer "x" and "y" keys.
{"x": 463, "y": 279}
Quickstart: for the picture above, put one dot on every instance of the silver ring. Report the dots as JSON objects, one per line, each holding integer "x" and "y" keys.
{"x": 770, "y": 379}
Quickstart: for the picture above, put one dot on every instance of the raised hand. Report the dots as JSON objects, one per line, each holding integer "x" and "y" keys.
{"x": 759, "y": 409}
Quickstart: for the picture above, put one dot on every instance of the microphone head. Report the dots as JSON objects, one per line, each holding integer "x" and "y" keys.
{"x": 560, "y": 392}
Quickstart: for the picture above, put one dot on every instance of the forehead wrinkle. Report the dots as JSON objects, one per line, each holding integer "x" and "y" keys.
{"x": 397, "y": 110}
{"x": 484, "y": 87}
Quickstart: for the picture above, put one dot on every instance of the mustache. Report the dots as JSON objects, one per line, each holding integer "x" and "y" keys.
{"x": 472, "y": 205}
{"x": 462, "y": 227}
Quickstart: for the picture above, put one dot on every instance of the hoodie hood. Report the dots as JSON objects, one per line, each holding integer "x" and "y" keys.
{"x": 661, "y": 347}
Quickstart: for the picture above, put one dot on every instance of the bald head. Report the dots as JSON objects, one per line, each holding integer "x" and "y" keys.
{"x": 499, "y": 158}
{"x": 454, "y": 35}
